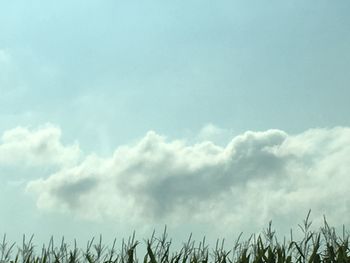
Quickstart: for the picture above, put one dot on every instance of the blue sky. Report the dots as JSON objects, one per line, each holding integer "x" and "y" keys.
{"x": 95, "y": 91}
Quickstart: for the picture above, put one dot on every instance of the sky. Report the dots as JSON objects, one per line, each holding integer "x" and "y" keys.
{"x": 210, "y": 117}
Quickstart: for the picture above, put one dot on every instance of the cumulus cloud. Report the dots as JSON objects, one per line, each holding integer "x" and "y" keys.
{"x": 36, "y": 147}
{"x": 209, "y": 131}
{"x": 254, "y": 178}
{"x": 215, "y": 134}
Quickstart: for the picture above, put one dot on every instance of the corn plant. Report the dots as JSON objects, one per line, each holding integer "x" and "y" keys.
{"x": 315, "y": 247}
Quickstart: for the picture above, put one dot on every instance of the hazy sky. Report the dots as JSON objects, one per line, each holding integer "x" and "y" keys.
{"x": 209, "y": 116}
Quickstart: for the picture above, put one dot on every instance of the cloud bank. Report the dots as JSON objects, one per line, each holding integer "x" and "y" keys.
{"x": 256, "y": 177}
{"x": 40, "y": 147}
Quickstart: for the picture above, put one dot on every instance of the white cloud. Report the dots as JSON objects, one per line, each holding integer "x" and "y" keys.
{"x": 209, "y": 131}
{"x": 215, "y": 134}
{"x": 40, "y": 147}
{"x": 258, "y": 176}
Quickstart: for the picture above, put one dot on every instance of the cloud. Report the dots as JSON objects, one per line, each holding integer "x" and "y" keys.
{"x": 215, "y": 134}
{"x": 40, "y": 147}
{"x": 209, "y": 131}
{"x": 257, "y": 177}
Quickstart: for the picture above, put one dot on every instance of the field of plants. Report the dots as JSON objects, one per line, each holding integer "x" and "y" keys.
{"x": 322, "y": 246}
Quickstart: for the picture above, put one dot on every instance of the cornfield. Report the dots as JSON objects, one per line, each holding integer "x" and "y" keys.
{"x": 323, "y": 246}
